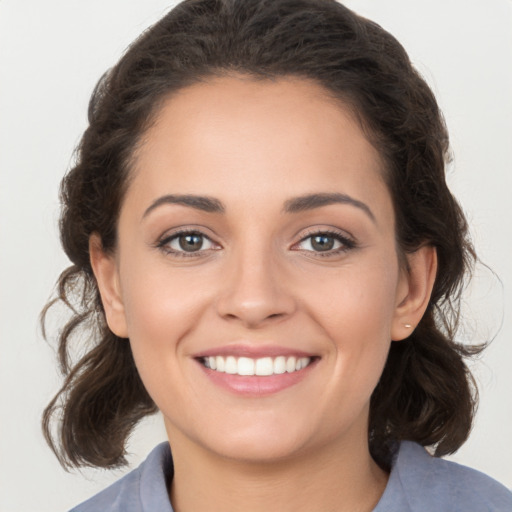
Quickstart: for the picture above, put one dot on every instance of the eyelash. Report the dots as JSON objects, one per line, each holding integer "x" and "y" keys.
{"x": 164, "y": 246}
{"x": 346, "y": 243}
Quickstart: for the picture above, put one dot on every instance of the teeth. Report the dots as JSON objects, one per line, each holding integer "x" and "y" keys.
{"x": 231, "y": 365}
{"x": 290, "y": 364}
{"x": 246, "y": 366}
{"x": 263, "y": 366}
{"x": 304, "y": 361}
{"x": 280, "y": 365}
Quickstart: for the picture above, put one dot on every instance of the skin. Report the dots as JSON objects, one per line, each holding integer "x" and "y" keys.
{"x": 258, "y": 281}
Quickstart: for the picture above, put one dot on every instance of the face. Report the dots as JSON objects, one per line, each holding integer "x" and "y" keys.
{"x": 256, "y": 274}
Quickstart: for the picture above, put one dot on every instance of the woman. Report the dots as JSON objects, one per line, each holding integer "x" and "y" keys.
{"x": 266, "y": 251}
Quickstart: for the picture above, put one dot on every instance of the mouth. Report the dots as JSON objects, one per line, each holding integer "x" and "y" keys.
{"x": 260, "y": 367}
{"x": 256, "y": 371}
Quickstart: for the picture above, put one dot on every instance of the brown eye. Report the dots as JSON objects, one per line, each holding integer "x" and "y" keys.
{"x": 322, "y": 242}
{"x": 325, "y": 242}
{"x": 190, "y": 242}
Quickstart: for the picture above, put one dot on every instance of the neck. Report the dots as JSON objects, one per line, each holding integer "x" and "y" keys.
{"x": 337, "y": 478}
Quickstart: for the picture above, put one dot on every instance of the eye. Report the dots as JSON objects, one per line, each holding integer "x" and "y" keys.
{"x": 187, "y": 242}
{"x": 325, "y": 242}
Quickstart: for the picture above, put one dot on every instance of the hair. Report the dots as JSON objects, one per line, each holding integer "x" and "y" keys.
{"x": 426, "y": 393}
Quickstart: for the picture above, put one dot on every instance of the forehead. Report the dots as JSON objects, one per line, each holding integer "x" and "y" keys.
{"x": 236, "y": 136}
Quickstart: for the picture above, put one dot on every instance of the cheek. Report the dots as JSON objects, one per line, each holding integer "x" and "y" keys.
{"x": 356, "y": 311}
{"x": 159, "y": 316}
{"x": 162, "y": 309}
{"x": 357, "y": 299}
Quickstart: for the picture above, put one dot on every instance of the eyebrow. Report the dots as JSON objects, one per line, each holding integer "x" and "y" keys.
{"x": 203, "y": 203}
{"x": 294, "y": 205}
{"x": 311, "y": 201}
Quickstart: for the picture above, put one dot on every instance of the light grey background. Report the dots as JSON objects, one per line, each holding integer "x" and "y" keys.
{"x": 51, "y": 54}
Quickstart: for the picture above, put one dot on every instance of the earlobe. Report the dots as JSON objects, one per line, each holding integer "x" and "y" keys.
{"x": 105, "y": 271}
{"x": 414, "y": 294}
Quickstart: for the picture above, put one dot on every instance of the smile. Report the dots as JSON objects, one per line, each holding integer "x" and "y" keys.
{"x": 262, "y": 367}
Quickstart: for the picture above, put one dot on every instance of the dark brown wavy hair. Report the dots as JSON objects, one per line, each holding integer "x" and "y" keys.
{"x": 426, "y": 393}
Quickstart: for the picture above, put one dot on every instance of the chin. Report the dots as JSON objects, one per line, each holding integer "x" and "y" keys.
{"x": 259, "y": 451}
{"x": 258, "y": 442}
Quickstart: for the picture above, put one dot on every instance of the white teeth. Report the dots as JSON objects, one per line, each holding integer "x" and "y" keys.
{"x": 262, "y": 367}
{"x": 231, "y": 366}
{"x": 280, "y": 365}
{"x": 246, "y": 366}
{"x": 220, "y": 363}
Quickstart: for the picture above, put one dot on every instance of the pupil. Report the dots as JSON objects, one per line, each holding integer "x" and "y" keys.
{"x": 322, "y": 243}
{"x": 191, "y": 242}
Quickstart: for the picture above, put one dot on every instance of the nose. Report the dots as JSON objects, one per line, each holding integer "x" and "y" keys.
{"x": 255, "y": 291}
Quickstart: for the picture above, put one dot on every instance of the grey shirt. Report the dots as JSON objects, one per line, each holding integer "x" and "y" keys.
{"x": 417, "y": 483}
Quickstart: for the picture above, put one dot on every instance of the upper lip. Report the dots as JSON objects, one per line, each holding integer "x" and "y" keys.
{"x": 253, "y": 351}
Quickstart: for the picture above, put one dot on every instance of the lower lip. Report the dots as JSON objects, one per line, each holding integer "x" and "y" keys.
{"x": 253, "y": 385}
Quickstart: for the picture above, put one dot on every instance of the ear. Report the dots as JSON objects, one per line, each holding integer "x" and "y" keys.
{"x": 414, "y": 290}
{"x": 105, "y": 270}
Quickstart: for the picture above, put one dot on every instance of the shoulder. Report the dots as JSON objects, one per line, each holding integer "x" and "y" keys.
{"x": 143, "y": 489}
{"x": 424, "y": 483}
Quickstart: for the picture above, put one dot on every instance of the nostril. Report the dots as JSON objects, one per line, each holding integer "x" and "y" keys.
{"x": 254, "y": 317}
{"x": 254, "y": 298}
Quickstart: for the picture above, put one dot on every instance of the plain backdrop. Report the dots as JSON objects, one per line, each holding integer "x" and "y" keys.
{"x": 51, "y": 54}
